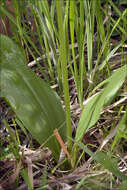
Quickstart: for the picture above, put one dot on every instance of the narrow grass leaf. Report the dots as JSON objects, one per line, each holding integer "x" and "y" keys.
{"x": 26, "y": 178}
{"x": 121, "y": 130}
{"x": 63, "y": 59}
{"x": 106, "y": 160}
{"x": 44, "y": 178}
{"x": 109, "y": 56}
{"x": 99, "y": 18}
{"x": 89, "y": 33}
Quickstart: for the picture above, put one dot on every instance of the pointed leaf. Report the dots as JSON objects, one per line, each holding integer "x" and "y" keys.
{"x": 92, "y": 110}
{"x": 106, "y": 160}
{"x": 33, "y": 101}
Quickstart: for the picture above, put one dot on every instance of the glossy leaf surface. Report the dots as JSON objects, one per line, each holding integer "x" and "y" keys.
{"x": 33, "y": 101}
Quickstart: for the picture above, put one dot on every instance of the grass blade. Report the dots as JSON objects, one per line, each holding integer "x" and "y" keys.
{"x": 63, "y": 59}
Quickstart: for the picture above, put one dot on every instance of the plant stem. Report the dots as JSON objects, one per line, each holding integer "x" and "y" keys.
{"x": 63, "y": 58}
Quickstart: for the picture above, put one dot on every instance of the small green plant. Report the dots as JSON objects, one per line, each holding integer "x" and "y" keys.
{"x": 73, "y": 39}
{"x": 39, "y": 108}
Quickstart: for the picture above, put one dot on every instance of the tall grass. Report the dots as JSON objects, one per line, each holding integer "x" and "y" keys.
{"x": 75, "y": 39}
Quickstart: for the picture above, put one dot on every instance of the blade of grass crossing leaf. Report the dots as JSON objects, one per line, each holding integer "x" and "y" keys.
{"x": 98, "y": 86}
{"x": 106, "y": 160}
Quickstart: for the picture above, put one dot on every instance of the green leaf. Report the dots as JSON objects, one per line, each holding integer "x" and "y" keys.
{"x": 109, "y": 163}
{"x": 123, "y": 186}
{"x": 114, "y": 84}
{"x": 33, "y": 101}
{"x": 122, "y": 2}
{"x": 106, "y": 160}
{"x": 88, "y": 116}
{"x": 109, "y": 56}
{"x": 92, "y": 110}
{"x": 63, "y": 60}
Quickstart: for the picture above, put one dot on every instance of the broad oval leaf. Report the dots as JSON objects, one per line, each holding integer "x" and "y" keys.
{"x": 33, "y": 101}
{"x": 92, "y": 110}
